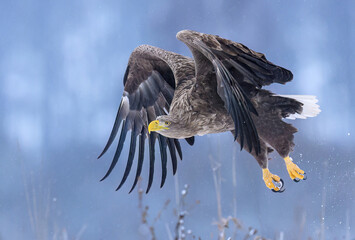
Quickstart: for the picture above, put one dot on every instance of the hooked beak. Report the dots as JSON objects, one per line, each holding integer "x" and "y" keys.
{"x": 156, "y": 126}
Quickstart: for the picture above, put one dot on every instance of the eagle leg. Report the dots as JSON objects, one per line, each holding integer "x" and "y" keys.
{"x": 262, "y": 158}
{"x": 294, "y": 171}
{"x": 273, "y": 182}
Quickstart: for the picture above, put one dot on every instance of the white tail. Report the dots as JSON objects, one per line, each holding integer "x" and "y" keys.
{"x": 310, "y": 106}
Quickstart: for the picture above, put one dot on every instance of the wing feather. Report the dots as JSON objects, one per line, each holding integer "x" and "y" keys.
{"x": 149, "y": 87}
{"x": 171, "y": 146}
{"x": 236, "y": 101}
{"x": 164, "y": 158}
{"x": 234, "y": 64}
{"x": 121, "y": 114}
{"x": 210, "y": 54}
{"x": 142, "y": 138}
{"x": 132, "y": 150}
{"x": 118, "y": 150}
{"x": 152, "y": 138}
{"x": 178, "y": 147}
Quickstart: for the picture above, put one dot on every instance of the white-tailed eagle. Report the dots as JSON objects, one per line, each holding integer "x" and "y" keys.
{"x": 168, "y": 97}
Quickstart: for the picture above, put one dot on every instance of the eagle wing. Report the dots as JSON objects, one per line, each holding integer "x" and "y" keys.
{"x": 234, "y": 64}
{"x": 149, "y": 87}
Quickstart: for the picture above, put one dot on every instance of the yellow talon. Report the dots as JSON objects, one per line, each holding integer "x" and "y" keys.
{"x": 269, "y": 180}
{"x": 293, "y": 170}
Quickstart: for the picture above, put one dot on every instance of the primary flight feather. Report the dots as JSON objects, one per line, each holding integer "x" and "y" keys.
{"x": 168, "y": 97}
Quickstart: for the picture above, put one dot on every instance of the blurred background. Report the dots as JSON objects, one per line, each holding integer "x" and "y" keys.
{"x": 61, "y": 70}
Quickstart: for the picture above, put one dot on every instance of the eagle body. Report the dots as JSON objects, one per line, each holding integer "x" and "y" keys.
{"x": 198, "y": 112}
{"x": 168, "y": 97}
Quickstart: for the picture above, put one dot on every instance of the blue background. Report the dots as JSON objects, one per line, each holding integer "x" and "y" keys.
{"x": 61, "y": 70}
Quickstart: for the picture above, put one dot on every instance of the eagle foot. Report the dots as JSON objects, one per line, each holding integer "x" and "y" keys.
{"x": 273, "y": 182}
{"x": 296, "y": 174}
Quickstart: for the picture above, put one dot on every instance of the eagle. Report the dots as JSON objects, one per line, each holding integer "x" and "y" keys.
{"x": 168, "y": 97}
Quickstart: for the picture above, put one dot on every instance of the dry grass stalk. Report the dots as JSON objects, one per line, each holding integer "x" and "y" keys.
{"x": 39, "y": 206}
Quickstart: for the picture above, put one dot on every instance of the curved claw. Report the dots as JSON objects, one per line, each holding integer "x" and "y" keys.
{"x": 280, "y": 191}
{"x": 296, "y": 174}
{"x": 297, "y": 179}
{"x": 273, "y": 182}
{"x": 281, "y": 187}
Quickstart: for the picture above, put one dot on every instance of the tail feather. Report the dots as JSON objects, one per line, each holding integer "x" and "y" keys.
{"x": 310, "y": 107}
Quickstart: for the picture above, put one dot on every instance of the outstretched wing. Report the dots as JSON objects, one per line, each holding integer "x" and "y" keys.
{"x": 234, "y": 64}
{"x": 148, "y": 91}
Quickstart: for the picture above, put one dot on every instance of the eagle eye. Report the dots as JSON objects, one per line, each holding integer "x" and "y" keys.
{"x": 167, "y": 123}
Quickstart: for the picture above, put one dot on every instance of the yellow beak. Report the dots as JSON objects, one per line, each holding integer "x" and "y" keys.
{"x": 156, "y": 126}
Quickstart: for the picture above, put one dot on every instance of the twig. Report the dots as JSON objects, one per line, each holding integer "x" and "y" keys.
{"x": 80, "y": 233}
{"x": 161, "y": 211}
{"x": 302, "y": 224}
{"x": 234, "y": 180}
{"x": 347, "y": 225}
{"x": 324, "y": 197}
{"x": 177, "y": 195}
{"x": 168, "y": 231}
{"x": 180, "y": 231}
{"x": 217, "y": 184}
{"x": 281, "y": 236}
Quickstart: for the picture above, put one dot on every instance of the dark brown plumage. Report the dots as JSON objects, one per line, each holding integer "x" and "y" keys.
{"x": 219, "y": 90}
